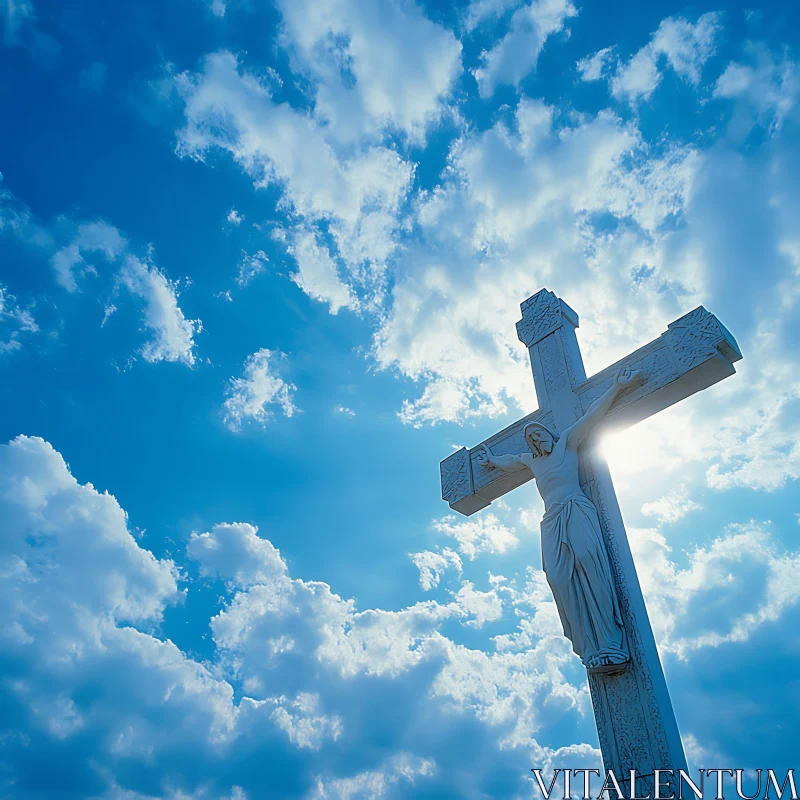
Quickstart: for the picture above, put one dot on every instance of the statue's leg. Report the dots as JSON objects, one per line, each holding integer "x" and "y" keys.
{"x": 596, "y": 599}
{"x": 559, "y": 567}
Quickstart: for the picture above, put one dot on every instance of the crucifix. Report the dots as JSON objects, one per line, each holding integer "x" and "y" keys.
{"x": 585, "y": 551}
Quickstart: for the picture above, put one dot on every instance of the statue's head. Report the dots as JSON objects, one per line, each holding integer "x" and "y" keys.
{"x": 540, "y": 438}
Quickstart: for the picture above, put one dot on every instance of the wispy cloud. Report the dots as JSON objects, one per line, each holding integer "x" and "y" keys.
{"x": 254, "y": 396}
{"x": 683, "y": 46}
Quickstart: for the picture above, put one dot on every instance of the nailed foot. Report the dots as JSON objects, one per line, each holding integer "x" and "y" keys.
{"x": 606, "y": 664}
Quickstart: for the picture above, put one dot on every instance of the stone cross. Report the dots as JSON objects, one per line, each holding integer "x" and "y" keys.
{"x": 636, "y": 724}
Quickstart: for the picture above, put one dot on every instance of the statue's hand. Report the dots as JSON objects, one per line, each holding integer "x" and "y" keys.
{"x": 484, "y": 459}
{"x": 628, "y": 377}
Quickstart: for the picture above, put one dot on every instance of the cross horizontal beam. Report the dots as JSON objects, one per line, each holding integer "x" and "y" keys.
{"x": 695, "y": 352}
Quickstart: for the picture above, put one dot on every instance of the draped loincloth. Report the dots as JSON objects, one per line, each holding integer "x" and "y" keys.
{"x": 577, "y": 567}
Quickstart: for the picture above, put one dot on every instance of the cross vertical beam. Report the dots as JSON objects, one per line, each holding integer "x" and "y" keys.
{"x": 636, "y": 724}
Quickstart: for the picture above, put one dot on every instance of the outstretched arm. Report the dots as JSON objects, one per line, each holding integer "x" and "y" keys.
{"x": 505, "y": 463}
{"x": 597, "y": 410}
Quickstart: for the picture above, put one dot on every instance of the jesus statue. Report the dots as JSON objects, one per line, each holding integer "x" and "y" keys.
{"x": 574, "y": 555}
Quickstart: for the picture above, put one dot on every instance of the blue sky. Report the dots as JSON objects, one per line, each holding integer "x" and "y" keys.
{"x": 260, "y": 266}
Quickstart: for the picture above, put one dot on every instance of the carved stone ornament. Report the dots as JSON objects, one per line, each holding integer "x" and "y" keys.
{"x": 541, "y": 314}
{"x": 698, "y": 336}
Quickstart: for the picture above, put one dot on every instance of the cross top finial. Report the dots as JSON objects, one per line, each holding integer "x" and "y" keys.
{"x": 541, "y": 315}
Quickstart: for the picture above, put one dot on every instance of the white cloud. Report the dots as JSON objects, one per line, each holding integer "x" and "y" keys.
{"x": 57, "y": 531}
{"x": 91, "y": 237}
{"x": 671, "y": 507}
{"x": 218, "y": 7}
{"x": 173, "y": 334}
{"x": 593, "y": 68}
{"x": 356, "y": 192}
{"x": 507, "y": 690}
{"x": 698, "y": 755}
{"x": 375, "y": 65}
{"x": 744, "y": 579}
{"x": 515, "y": 213}
{"x": 298, "y": 648}
{"x": 516, "y": 54}
{"x": 317, "y": 274}
{"x": 235, "y": 553}
{"x": 768, "y": 90}
{"x": 479, "y": 607}
{"x": 15, "y": 217}
{"x": 685, "y": 48}
{"x": 480, "y": 10}
{"x": 251, "y": 265}
{"x": 234, "y": 217}
{"x": 249, "y": 398}
{"x": 433, "y": 565}
{"x": 374, "y": 784}
{"x": 303, "y": 724}
{"x": 483, "y": 534}
{"x": 758, "y": 445}
{"x": 348, "y": 412}
{"x": 504, "y": 690}
{"x": 15, "y": 321}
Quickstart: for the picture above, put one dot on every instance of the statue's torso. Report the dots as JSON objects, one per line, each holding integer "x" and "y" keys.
{"x": 556, "y": 474}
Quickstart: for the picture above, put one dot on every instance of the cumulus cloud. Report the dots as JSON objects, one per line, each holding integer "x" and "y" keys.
{"x": 305, "y": 627}
{"x": 235, "y": 553}
{"x": 741, "y": 581}
{"x": 55, "y": 528}
{"x": 402, "y": 768}
{"x": 251, "y": 397}
{"x": 303, "y": 724}
{"x": 79, "y": 597}
{"x": 91, "y": 237}
{"x": 234, "y": 217}
{"x": 483, "y": 534}
{"x": 376, "y": 66}
{"x": 302, "y": 653}
{"x": 432, "y": 565}
{"x": 172, "y": 334}
{"x": 87, "y": 682}
{"x": 310, "y": 664}
{"x": 516, "y": 54}
{"x": 683, "y": 46}
{"x": 671, "y": 507}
